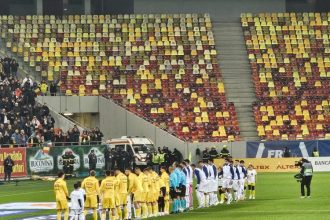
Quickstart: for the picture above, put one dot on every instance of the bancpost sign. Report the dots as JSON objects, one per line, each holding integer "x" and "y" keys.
{"x": 320, "y": 164}
{"x": 268, "y": 165}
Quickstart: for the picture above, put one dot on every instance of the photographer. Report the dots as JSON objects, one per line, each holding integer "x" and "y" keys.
{"x": 307, "y": 174}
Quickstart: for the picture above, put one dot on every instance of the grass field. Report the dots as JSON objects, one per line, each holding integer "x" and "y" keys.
{"x": 277, "y": 197}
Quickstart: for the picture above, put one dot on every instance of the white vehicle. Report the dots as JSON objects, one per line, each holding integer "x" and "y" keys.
{"x": 137, "y": 147}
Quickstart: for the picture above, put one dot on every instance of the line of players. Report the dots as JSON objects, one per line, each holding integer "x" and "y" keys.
{"x": 230, "y": 181}
{"x": 144, "y": 193}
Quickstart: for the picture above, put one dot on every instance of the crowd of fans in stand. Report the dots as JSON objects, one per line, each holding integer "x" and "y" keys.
{"x": 23, "y": 122}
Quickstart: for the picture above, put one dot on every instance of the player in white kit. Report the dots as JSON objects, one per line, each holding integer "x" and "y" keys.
{"x": 213, "y": 182}
{"x": 242, "y": 174}
{"x": 205, "y": 169}
{"x": 201, "y": 186}
{"x": 77, "y": 204}
{"x": 227, "y": 176}
{"x": 190, "y": 189}
{"x": 236, "y": 181}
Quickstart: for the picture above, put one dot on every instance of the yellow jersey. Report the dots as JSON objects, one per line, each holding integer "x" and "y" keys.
{"x": 166, "y": 179}
{"x": 61, "y": 190}
{"x": 108, "y": 187}
{"x": 122, "y": 183}
{"x": 134, "y": 184}
{"x": 144, "y": 180}
{"x": 156, "y": 180}
{"x": 91, "y": 186}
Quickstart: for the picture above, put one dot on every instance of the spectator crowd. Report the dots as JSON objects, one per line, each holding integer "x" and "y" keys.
{"x": 24, "y": 122}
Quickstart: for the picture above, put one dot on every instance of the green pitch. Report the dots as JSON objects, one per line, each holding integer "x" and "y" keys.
{"x": 277, "y": 198}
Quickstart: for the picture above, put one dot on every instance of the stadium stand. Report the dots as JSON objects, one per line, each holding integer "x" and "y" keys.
{"x": 161, "y": 67}
{"x": 289, "y": 57}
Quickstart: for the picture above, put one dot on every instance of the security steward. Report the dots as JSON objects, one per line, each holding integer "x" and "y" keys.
{"x": 224, "y": 153}
{"x": 307, "y": 174}
{"x": 66, "y": 164}
{"x": 155, "y": 161}
{"x": 315, "y": 152}
{"x": 161, "y": 158}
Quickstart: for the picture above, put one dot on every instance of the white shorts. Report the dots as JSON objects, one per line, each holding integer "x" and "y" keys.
{"x": 77, "y": 213}
{"x": 214, "y": 185}
{"x": 236, "y": 185}
{"x": 227, "y": 183}
{"x": 242, "y": 183}
{"x": 202, "y": 187}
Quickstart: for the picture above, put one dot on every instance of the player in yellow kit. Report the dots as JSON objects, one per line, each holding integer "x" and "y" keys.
{"x": 134, "y": 189}
{"x": 166, "y": 180}
{"x": 144, "y": 180}
{"x": 108, "y": 191}
{"x": 91, "y": 186}
{"x": 121, "y": 194}
{"x": 155, "y": 191}
{"x": 61, "y": 194}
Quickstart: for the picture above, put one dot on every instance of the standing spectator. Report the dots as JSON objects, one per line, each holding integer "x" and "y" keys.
{"x": 75, "y": 135}
{"x": 23, "y": 139}
{"x": 14, "y": 67}
{"x": 98, "y": 135}
{"x": 84, "y": 138}
{"x": 59, "y": 138}
{"x": 53, "y": 89}
{"x": 92, "y": 160}
{"x": 27, "y": 82}
{"x": 16, "y": 137}
{"x": 35, "y": 122}
{"x": 6, "y": 68}
{"x": 8, "y": 164}
{"x": 43, "y": 87}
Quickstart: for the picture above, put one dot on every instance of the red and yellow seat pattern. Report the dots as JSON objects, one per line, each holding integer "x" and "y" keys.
{"x": 161, "y": 67}
{"x": 289, "y": 57}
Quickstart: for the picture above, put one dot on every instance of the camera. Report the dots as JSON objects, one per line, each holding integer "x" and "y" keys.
{"x": 298, "y": 163}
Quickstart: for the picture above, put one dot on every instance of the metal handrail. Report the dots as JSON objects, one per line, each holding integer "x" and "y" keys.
{"x": 53, "y": 144}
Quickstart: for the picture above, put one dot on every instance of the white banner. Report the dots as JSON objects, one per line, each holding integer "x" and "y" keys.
{"x": 320, "y": 164}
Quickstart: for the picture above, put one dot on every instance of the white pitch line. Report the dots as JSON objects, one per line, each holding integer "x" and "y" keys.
{"x": 17, "y": 194}
{"x": 259, "y": 211}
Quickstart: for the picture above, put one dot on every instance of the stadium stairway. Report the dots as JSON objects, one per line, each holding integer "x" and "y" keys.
{"x": 236, "y": 74}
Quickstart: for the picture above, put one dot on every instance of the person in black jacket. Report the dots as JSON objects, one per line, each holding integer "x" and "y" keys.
{"x": 8, "y": 164}
{"x": 53, "y": 89}
{"x": 92, "y": 160}
{"x": 206, "y": 155}
{"x": 213, "y": 153}
{"x": 109, "y": 158}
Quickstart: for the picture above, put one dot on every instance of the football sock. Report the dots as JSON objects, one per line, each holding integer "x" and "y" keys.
{"x": 95, "y": 214}
{"x": 59, "y": 215}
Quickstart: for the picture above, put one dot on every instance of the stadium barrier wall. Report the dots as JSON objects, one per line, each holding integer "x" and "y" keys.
{"x": 18, "y": 155}
{"x": 301, "y": 148}
{"x": 268, "y": 165}
{"x": 48, "y": 160}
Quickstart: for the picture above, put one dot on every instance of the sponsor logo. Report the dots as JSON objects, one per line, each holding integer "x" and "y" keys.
{"x": 100, "y": 158}
{"x": 41, "y": 162}
{"x": 76, "y": 165}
